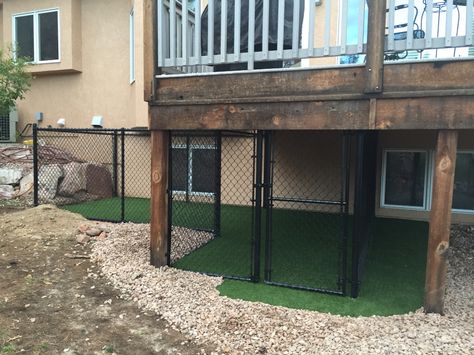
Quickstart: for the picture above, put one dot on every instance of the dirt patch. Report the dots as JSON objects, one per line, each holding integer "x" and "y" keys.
{"x": 51, "y": 302}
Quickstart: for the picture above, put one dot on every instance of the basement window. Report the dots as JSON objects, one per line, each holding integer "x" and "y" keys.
{"x": 405, "y": 179}
{"x": 463, "y": 196}
{"x": 36, "y": 36}
{"x": 193, "y": 169}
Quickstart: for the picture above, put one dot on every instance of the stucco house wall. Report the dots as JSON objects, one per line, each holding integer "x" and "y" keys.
{"x": 93, "y": 74}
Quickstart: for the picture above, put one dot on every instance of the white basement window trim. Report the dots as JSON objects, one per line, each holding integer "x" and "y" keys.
{"x": 36, "y": 35}
{"x": 132, "y": 46}
{"x": 193, "y": 169}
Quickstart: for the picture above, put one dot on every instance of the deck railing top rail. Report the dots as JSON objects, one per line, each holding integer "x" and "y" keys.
{"x": 228, "y": 35}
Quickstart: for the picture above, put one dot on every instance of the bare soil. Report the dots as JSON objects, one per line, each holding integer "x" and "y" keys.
{"x": 53, "y": 302}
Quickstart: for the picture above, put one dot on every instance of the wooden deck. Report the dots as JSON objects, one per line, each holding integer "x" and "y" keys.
{"x": 428, "y": 95}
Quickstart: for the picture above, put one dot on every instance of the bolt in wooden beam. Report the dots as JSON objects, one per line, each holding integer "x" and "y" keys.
{"x": 375, "y": 46}
{"x": 440, "y": 221}
{"x": 159, "y": 203}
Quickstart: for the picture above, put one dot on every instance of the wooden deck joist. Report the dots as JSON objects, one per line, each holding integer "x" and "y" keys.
{"x": 436, "y": 95}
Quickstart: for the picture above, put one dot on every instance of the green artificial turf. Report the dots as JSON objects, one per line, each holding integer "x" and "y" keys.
{"x": 393, "y": 282}
{"x": 304, "y": 252}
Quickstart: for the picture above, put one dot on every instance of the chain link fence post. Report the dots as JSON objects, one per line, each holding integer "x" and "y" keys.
{"x": 35, "y": 164}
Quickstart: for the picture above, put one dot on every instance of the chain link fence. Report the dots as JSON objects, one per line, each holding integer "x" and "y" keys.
{"x": 271, "y": 206}
{"x": 308, "y": 211}
{"x": 211, "y": 194}
{"x": 102, "y": 174}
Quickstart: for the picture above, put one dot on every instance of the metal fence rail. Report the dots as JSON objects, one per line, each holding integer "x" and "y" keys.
{"x": 243, "y": 34}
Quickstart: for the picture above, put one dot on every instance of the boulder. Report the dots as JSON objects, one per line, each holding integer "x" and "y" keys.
{"x": 7, "y": 192}
{"x": 48, "y": 179}
{"x": 10, "y": 176}
{"x": 99, "y": 181}
{"x": 26, "y": 183}
{"x": 74, "y": 179}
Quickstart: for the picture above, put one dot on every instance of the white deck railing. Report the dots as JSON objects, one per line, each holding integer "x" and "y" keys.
{"x": 196, "y": 38}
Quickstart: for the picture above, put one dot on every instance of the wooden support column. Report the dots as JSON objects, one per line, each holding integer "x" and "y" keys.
{"x": 149, "y": 48}
{"x": 440, "y": 221}
{"x": 159, "y": 203}
{"x": 375, "y": 46}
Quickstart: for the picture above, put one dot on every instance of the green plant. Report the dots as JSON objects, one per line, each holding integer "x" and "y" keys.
{"x": 7, "y": 348}
{"x": 14, "y": 79}
{"x": 108, "y": 349}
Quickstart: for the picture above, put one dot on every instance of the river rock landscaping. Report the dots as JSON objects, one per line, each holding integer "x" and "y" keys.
{"x": 191, "y": 303}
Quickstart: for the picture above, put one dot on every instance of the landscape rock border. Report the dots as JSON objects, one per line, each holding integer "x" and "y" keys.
{"x": 191, "y": 303}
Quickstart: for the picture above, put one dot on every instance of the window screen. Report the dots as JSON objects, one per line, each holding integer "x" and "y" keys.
{"x": 405, "y": 178}
{"x": 48, "y": 36}
{"x": 24, "y": 36}
{"x": 463, "y": 197}
{"x": 203, "y": 173}
{"x": 179, "y": 168}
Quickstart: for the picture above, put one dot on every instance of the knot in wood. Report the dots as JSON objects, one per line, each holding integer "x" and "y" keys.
{"x": 232, "y": 109}
{"x": 156, "y": 176}
{"x": 442, "y": 248}
{"x": 276, "y": 120}
{"x": 445, "y": 164}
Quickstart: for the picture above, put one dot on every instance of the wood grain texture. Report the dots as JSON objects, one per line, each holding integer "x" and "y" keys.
{"x": 315, "y": 84}
{"x": 426, "y": 113}
{"x": 159, "y": 205}
{"x": 440, "y": 221}
{"x": 149, "y": 47}
{"x": 375, "y": 46}
{"x": 445, "y": 112}
{"x": 276, "y": 116}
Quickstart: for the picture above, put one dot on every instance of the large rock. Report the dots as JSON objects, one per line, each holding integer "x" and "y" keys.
{"x": 10, "y": 176}
{"x": 26, "y": 183}
{"x": 7, "y": 192}
{"x": 74, "y": 179}
{"x": 99, "y": 181}
{"x": 48, "y": 179}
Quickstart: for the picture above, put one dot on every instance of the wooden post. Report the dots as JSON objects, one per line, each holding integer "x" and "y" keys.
{"x": 149, "y": 47}
{"x": 375, "y": 46}
{"x": 440, "y": 221}
{"x": 159, "y": 203}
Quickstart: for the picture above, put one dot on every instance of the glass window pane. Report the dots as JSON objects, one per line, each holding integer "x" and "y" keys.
{"x": 179, "y": 166}
{"x": 48, "y": 36}
{"x": 24, "y": 36}
{"x": 463, "y": 197}
{"x": 203, "y": 161}
{"x": 405, "y": 178}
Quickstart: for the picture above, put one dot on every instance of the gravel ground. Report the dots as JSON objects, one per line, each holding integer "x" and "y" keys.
{"x": 191, "y": 303}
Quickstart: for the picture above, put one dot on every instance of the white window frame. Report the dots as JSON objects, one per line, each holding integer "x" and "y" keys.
{"x": 36, "y": 44}
{"x": 427, "y": 182}
{"x": 132, "y": 46}
{"x": 190, "y": 168}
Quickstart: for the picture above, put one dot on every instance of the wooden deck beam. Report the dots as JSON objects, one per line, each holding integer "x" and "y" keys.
{"x": 435, "y": 95}
{"x": 446, "y": 112}
{"x": 309, "y": 85}
{"x": 440, "y": 221}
